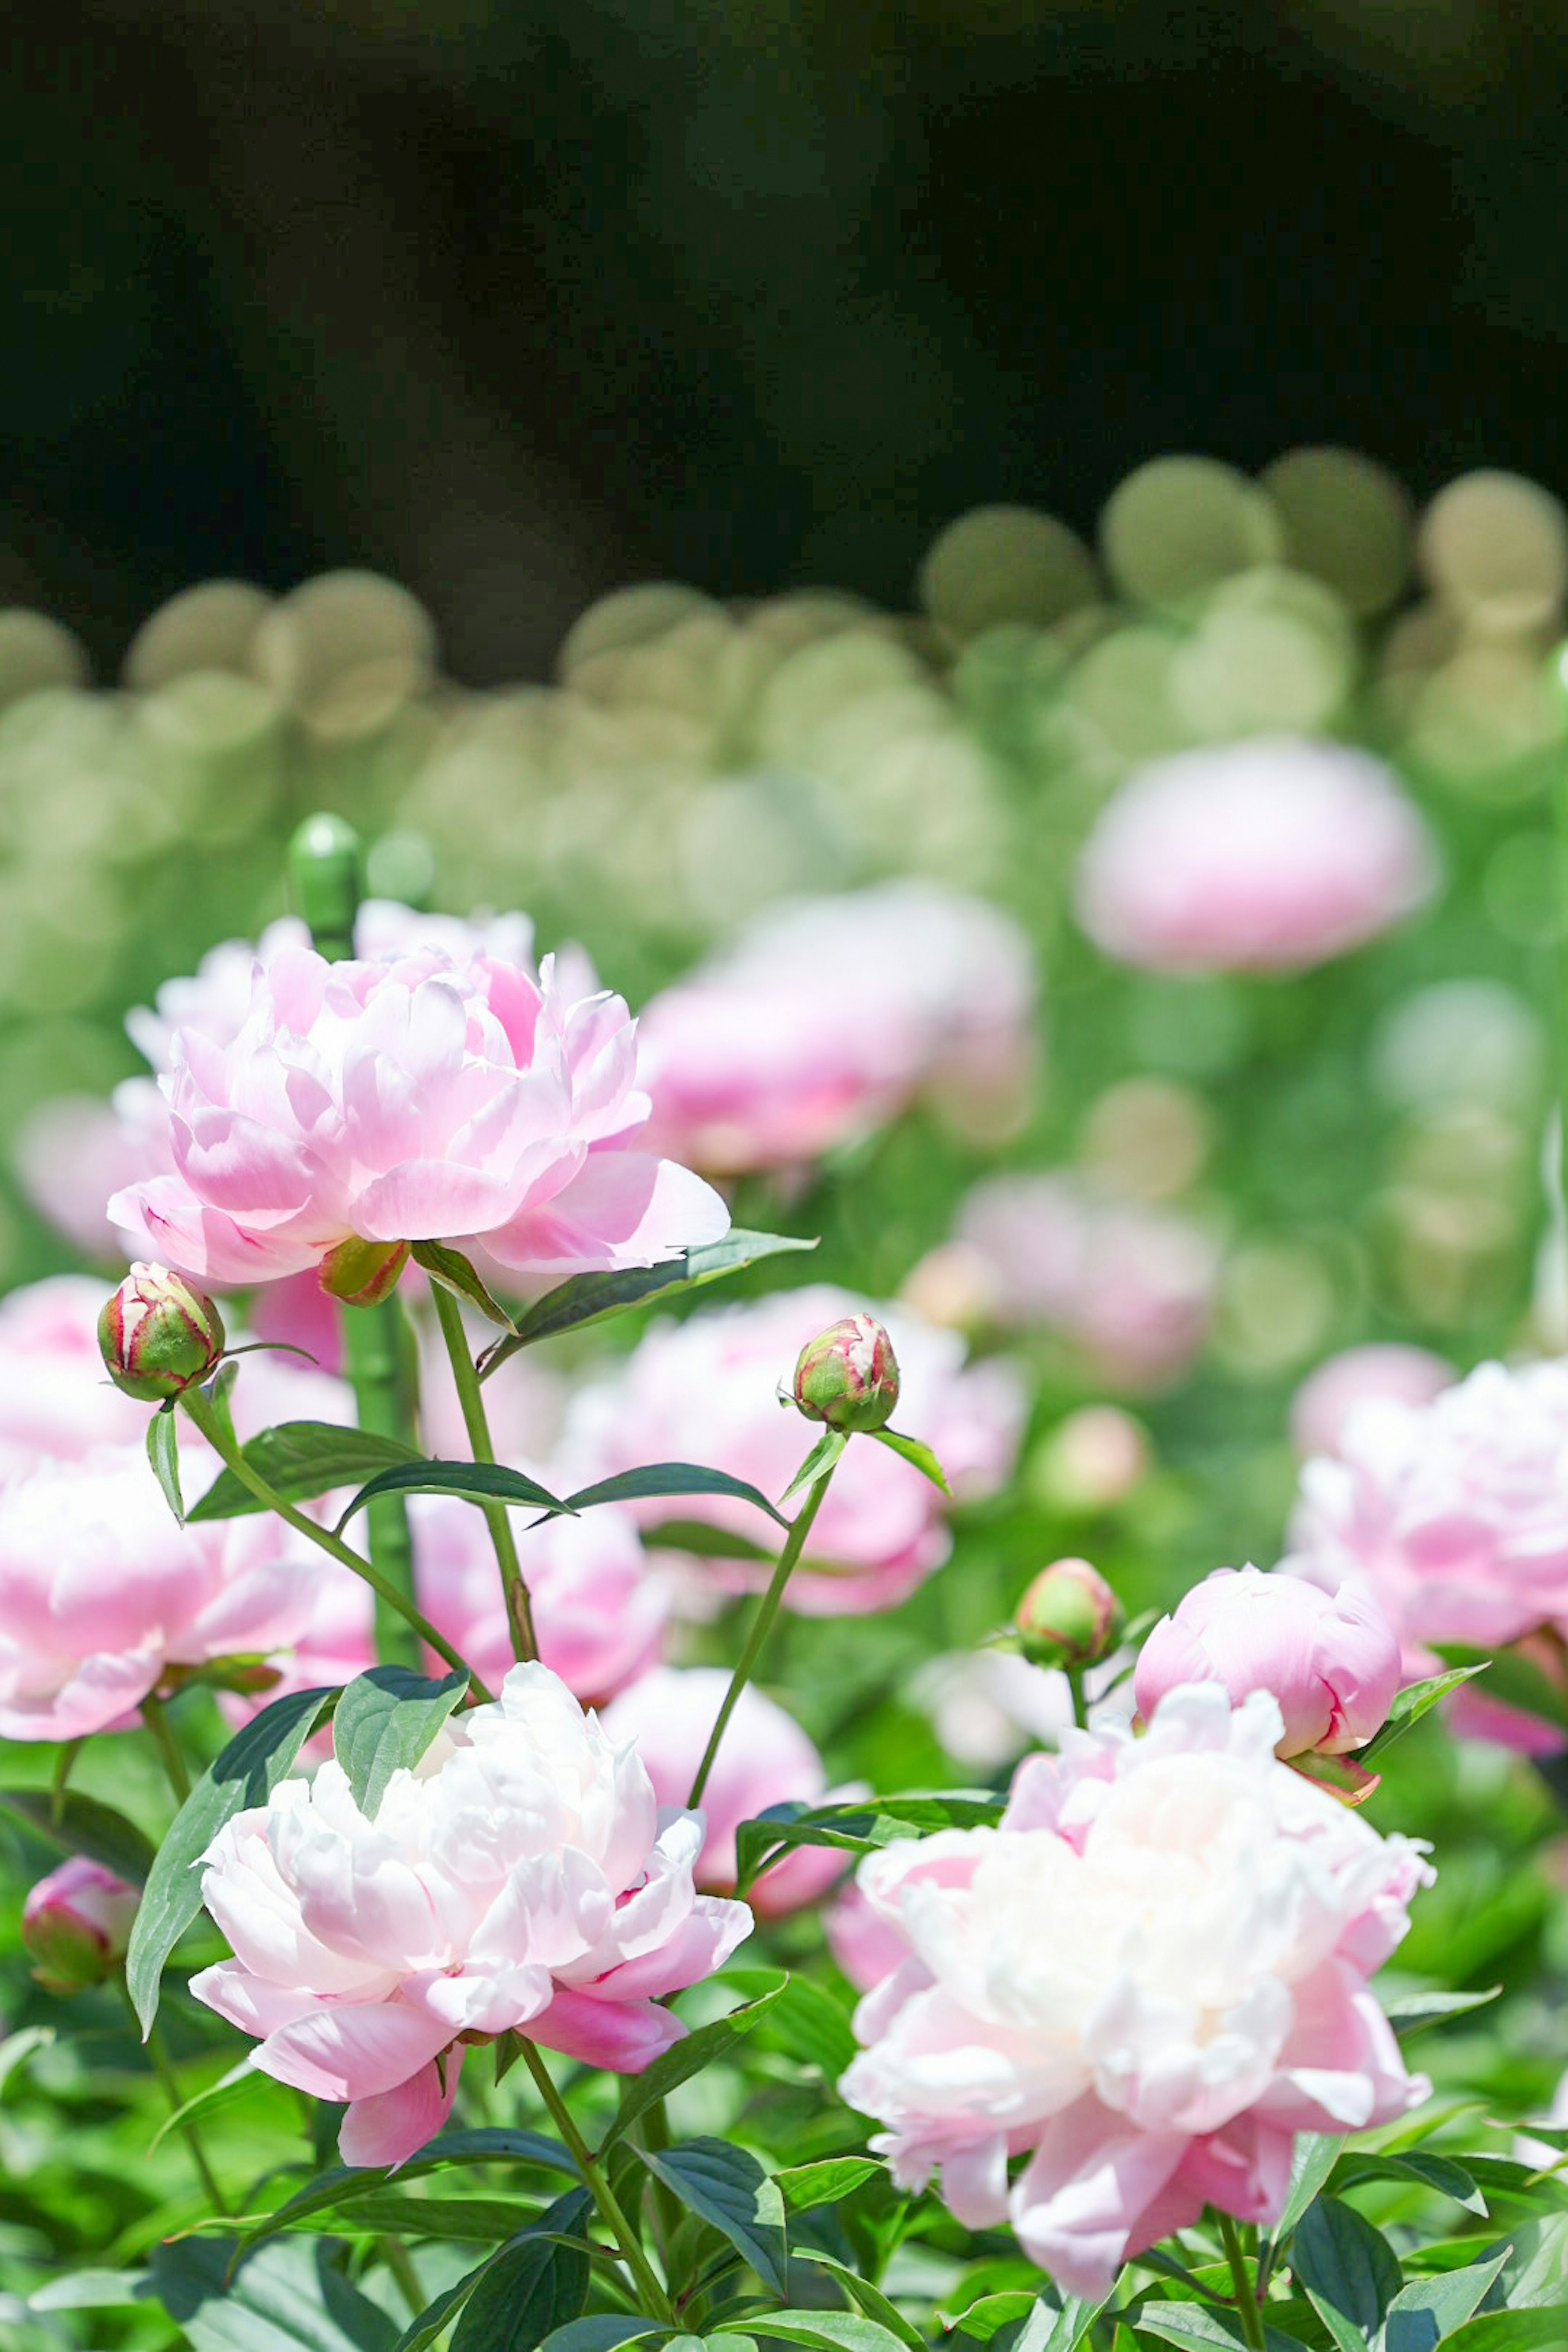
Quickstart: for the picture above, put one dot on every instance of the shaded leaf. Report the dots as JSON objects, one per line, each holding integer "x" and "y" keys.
{"x": 706, "y": 1541}
{"x": 1438, "y": 2172}
{"x": 857, "y": 1828}
{"x": 73, "y": 1824}
{"x": 868, "y": 2298}
{"x": 1411, "y": 1704}
{"x": 657, "y": 1478}
{"x": 839, "y": 2331}
{"x": 593, "y": 1297}
{"x": 452, "y": 1270}
{"x": 1508, "y": 2331}
{"x": 1205, "y": 2328}
{"x": 725, "y": 2185}
{"x": 913, "y": 1450}
{"x": 475, "y": 1482}
{"x": 686, "y": 2058}
{"x": 535, "y": 2284}
{"x": 1347, "y": 2268}
{"x": 1422, "y": 2314}
{"x": 289, "y": 2295}
{"x": 601, "y": 2331}
{"x": 299, "y": 1459}
{"x": 1413, "y": 2013}
{"x": 1315, "y": 2155}
{"x": 385, "y": 1720}
{"x": 163, "y": 1453}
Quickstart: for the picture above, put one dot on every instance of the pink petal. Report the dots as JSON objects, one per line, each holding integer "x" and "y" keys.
{"x": 354, "y": 2050}
{"x": 388, "y": 2128}
{"x": 623, "y": 2037}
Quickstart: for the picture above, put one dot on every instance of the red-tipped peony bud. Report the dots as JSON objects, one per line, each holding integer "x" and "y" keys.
{"x": 159, "y": 1333}
{"x": 848, "y": 1376}
{"x": 76, "y": 1924}
{"x": 362, "y": 1273}
{"x": 1068, "y": 1616}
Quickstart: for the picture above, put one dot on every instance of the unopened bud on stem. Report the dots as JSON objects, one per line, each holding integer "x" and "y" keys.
{"x": 362, "y": 1273}
{"x": 1068, "y": 1616}
{"x": 848, "y": 1376}
{"x": 159, "y": 1333}
{"x": 76, "y": 1924}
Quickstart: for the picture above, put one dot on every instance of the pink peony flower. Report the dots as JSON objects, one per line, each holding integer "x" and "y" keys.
{"x": 764, "y": 1759}
{"x": 1130, "y": 1286}
{"x": 1149, "y": 1978}
{"x": 101, "y": 1593}
{"x": 1269, "y": 855}
{"x": 1455, "y": 1514}
{"x": 868, "y": 1948}
{"x": 707, "y": 1391}
{"x": 1320, "y": 1407}
{"x": 830, "y": 1015}
{"x": 412, "y": 1098}
{"x": 76, "y": 1924}
{"x": 524, "y": 1877}
{"x": 1331, "y": 1662}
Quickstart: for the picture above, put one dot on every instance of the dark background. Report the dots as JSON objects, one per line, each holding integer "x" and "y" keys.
{"x": 517, "y": 303}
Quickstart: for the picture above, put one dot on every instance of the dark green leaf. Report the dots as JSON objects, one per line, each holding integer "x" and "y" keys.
{"x": 1056, "y": 2331}
{"x": 535, "y": 2284}
{"x": 991, "y": 2312}
{"x": 914, "y": 1450}
{"x": 1438, "y": 2172}
{"x": 385, "y": 1720}
{"x": 1422, "y": 2314}
{"x": 1314, "y": 2159}
{"x": 342, "y": 2185}
{"x": 593, "y": 1297}
{"x": 823, "y": 1457}
{"x": 289, "y": 2298}
{"x": 1413, "y": 2013}
{"x": 658, "y": 1478}
{"x": 827, "y": 2182}
{"x": 1508, "y": 2331}
{"x": 856, "y": 1829}
{"x": 868, "y": 2298}
{"x": 437, "y": 2315}
{"x": 725, "y": 2185}
{"x": 839, "y": 2331}
{"x": 374, "y": 2210}
{"x": 73, "y": 1824}
{"x": 163, "y": 1453}
{"x": 1410, "y": 1705}
{"x": 1347, "y": 2268}
{"x": 1205, "y": 2328}
{"x": 705, "y": 1540}
{"x": 451, "y": 1269}
{"x": 475, "y": 1482}
{"x": 246, "y": 1773}
{"x": 489, "y": 2144}
{"x": 299, "y": 1459}
{"x": 601, "y": 2331}
{"x": 686, "y": 2058}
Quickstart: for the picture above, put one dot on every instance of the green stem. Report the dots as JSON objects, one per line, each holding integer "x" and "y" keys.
{"x": 157, "y": 2051}
{"x": 400, "y": 2262}
{"x": 155, "y": 1716}
{"x": 1079, "y": 1702}
{"x": 200, "y": 1410}
{"x": 519, "y": 1609}
{"x": 373, "y": 1355}
{"x": 1241, "y": 2280}
{"x": 794, "y": 1544}
{"x": 603, "y": 2196}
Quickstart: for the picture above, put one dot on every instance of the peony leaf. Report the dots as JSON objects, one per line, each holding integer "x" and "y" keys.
{"x": 1438, "y": 2172}
{"x": 299, "y": 1459}
{"x": 1535, "y": 2330}
{"x": 246, "y": 1773}
{"x": 824, "y": 1456}
{"x": 535, "y": 2284}
{"x": 659, "y": 1478}
{"x": 342, "y": 2184}
{"x": 452, "y": 1270}
{"x": 870, "y": 2298}
{"x": 474, "y": 1482}
{"x": 292, "y": 2293}
{"x": 857, "y": 1828}
{"x": 810, "y": 2023}
{"x": 163, "y": 1453}
{"x": 1412, "y": 1702}
{"x": 1422, "y": 2314}
{"x": 73, "y": 1824}
{"x": 1349, "y": 2271}
{"x": 703, "y": 1540}
{"x": 1412, "y": 2013}
{"x": 914, "y": 1450}
{"x": 385, "y": 1720}
{"x": 240, "y": 2078}
{"x": 725, "y": 2185}
{"x": 603, "y": 2331}
{"x": 1047, "y": 2330}
{"x": 835, "y": 2331}
{"x": 1208, "y": 2327}
{"x": 687, "y": 2057}
{"x": 593, "y": 1297}
{"x": 827, "y": 2182}
{"x": 1512, "y": 1680}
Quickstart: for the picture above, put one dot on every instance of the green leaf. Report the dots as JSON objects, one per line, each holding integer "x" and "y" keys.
{"x": 1508, "y": 2331}
{"x": 686, "y": 2058}
{"x": 1058, "y": 2331}
{"x": 245, "y": 1774}
{"x": 1413, "y": 2013}
{"x": 839, "y": 2331}
{"x": 827, "y": 2182}
{"x": 385, "y": 1721}
{"x": 858, "y": 1828}
{"x": 475, "y": 1482}
{"x": 1513, "y": 1681}
{"x": 1422, "y": 2314}
{"x": 291, "y": 2298}
{"x": 97, "y": 2290}
{"x": 990, "y": 2314}
{"x": 437, "y": 2316}
{"x": 725, "y": 2185}
{"x": 1315, "y": 2157}
{"x": 299, "y": 1459}
{"x": 703, "y": 1540}
{"x": 824, "y": 1456}
{"x": 536, "y": 2284}
{"x": 452, "y": 1270}
{"x": 228, "y": 2087}
{"x": 914, "y": 1450}
{"x": 1348, "y": 2269}
{"x": 672, "y": 1478}
{"x": 73, "y": 1824}
{"x": 601, "y": 2331}
{"x": 593, "y": 1297}
{"x": 1438, "y": 2172}
{"x": 342, "y": 2185}
{"x": 1205, "y": 2328}
{"x": 375, "y": 2210}
{"x": 870, "y": 2298}
{"x": 163, "y": 1453}
{"x": 809, "y": 2023}
{"x": 1411, "y": 1704}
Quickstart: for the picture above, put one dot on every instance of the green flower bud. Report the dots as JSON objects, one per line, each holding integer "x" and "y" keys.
{"x": 159, "y": 1333}
{"x": 76, "y": 1924}
{"x": 362, "y": 1273}
{"x": 1068, "y": 1616}
{"x": 848, "y": 1376}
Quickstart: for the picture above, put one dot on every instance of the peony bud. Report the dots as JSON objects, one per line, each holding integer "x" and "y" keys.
{"x": 1090, "y": 1461}
{"x": 1069, "y": 1616}
{"x": 362, "y": 1273}
{"x": 848, "y": 1376}
{"x": 159, "y": 1333}
{"x": 76, "y": 1924}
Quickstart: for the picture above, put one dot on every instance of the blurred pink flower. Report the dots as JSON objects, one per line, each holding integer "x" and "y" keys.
{"x": 1272, "y": 853}
{"x": 830, "y": 1015}
{"x": 868, "y": 1948}
{"x": 525, "y": 1878}
{"x": 1332, "y": 1661}
{"x": 764, "y": 1759}
{"x": 1130, "y": 1286}
{"x": 57, "y": 1398}
{"x": 1387, "y": 1369}
{"x": 707, "y": 1391}
{"x": 76, "y": 1924}
{"x": 1455, "y": 1514}
{"x": 416, "y": 1097}
{"x": 1206, "y": 2001}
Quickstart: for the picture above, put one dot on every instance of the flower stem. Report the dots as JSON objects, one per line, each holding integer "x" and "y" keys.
{"x": 603, "y": 2196}
{"x": 200, "y": 1410}
{"x": 373, "y": 1355}
{"x": 1079, "y": 1699}
{"x": 155, "y": 1716}
{"x": 519, "y": 1609}
{"x": 794, "y": 1544}
{"x": 1241, "y": 2280}
{"x": 157, "y": 2051}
